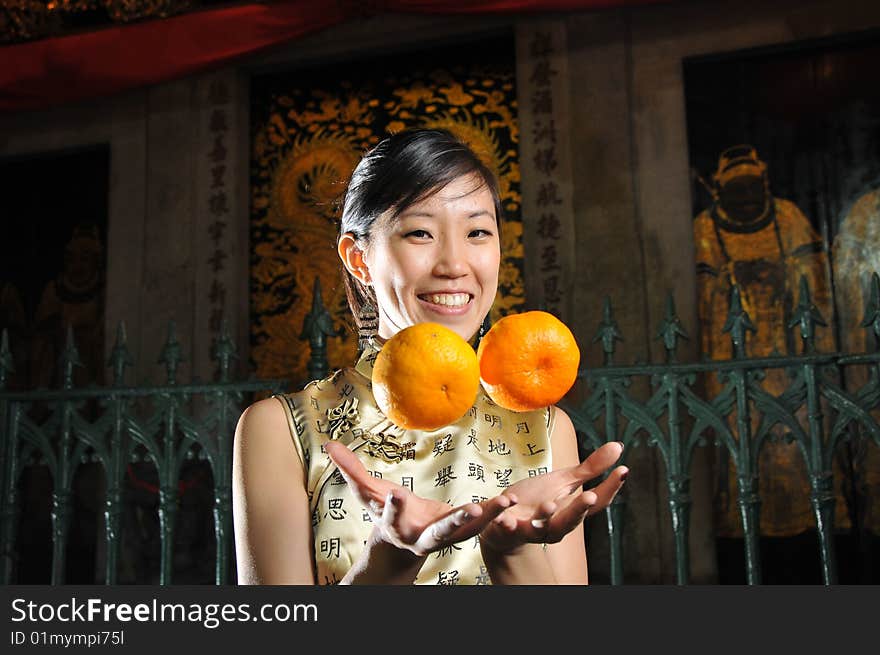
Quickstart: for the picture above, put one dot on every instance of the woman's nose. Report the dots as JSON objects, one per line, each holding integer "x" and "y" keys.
{"x": 451, "y": 260}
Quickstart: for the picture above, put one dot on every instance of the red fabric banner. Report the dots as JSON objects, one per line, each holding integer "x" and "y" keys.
{"x": 53, "y": 71}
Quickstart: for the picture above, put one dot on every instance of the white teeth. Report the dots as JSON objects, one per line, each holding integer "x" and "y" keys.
{"x": 448, "y": 299}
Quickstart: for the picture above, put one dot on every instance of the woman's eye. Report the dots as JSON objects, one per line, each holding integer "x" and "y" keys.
{"x": 479, "y": 233}
{"x": 418, "y": 234}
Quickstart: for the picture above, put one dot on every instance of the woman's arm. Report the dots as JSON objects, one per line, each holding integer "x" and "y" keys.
{"x": 270, "y": 506}
{"x": 568, "y": 558}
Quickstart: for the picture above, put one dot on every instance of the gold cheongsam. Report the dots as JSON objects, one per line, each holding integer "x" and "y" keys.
{"x": 473, "y": 459}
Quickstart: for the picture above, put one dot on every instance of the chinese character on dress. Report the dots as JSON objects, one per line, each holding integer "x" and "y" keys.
{"x": 476, "y": 471}
{"x": 330, "y": 547}
{"x": 472, "y": 440}
{"x": 443, "y": 445}
{"x": 532, "y": 448}
{"x": 500, "y": 447}
{"x": 447, "y": 578}
{"x": 447, "y": 550}
{"x": 503, "y": 477}
{"x": 444, "y": 476}
{"x": 335, "y": 509}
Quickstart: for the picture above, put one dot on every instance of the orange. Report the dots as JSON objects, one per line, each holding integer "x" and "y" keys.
{"x": 528, "y": 361}
{"x": 425, "y": 377}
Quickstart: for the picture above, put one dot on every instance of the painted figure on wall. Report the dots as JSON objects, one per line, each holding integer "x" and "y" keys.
{"x": 856, "y": 256}
{"x": 762, "y": 244}
{"x": 74, "y": 298}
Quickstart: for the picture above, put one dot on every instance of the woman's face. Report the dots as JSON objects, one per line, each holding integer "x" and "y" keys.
{"x": 437, "y": 261}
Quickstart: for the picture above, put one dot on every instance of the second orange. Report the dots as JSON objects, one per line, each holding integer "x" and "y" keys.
{"x": 528, "y": 361}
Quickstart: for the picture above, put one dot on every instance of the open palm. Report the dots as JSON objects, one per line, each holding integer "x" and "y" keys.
{"x": 408, "y": 521}
{"x": 549, "y": 506}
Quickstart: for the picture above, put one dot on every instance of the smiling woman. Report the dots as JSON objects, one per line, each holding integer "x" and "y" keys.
{"x": 328, "y": 489}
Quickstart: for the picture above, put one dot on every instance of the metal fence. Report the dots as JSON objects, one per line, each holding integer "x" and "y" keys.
{"x": 677, "y": 417}
{"x": 166, "y": 425}
{"x": 158, "y": 423}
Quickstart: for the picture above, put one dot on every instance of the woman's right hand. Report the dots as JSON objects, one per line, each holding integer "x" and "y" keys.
{"x": 551, "y": 505}
{"x": 407, "y": 521}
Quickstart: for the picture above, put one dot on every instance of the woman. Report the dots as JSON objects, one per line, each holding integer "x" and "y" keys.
{"x": 327, "y": 490}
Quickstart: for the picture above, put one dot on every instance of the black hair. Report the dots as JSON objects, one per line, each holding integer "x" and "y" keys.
{"x": 400, "y": 171}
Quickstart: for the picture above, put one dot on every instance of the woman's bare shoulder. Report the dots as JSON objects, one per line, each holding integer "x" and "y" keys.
{"x": 264, "y": 425}
{"x": 267, "y": 409}
{"x": 270, "y": 502}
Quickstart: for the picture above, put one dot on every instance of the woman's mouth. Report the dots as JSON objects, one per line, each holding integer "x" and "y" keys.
{"x": 446, "y": 303}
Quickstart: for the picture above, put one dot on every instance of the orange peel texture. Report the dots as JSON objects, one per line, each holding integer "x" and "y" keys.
{"x": 528, "y": 361}
{"x": 425, "y": 377}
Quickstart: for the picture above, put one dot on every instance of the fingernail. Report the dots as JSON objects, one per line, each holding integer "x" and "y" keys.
{"x": 538, "y": 524}
{"x": 621, "y": 445}
{"x": 624, "y": 476}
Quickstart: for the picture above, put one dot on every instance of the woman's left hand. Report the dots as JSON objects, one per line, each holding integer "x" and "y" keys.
{"x": 547, "y": 507}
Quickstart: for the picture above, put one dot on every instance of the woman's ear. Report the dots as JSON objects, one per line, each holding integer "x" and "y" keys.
{"x": 353, "y": 257}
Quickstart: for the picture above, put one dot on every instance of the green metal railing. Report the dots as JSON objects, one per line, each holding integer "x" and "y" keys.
{"x": 154, "y": 423}
{"x": 729, "y": 418}
{"x": 674, "y": 416}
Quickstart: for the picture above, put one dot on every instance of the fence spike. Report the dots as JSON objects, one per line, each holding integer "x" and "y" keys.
{"x": 670, "y": 329}
{"x": 7, "y": 363}
{"x": 608, "y": 331}
{"x": 738, "y": 321}
{"x": 171, "y": 354}
{"x": 120, "y": 357}
{"x": 317, "y": 326}
{"x": 69, "y": 359}
{"x": 872, "y": 311}
{"x": 806, "y": 317}
{"x": 224, "y": 351}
